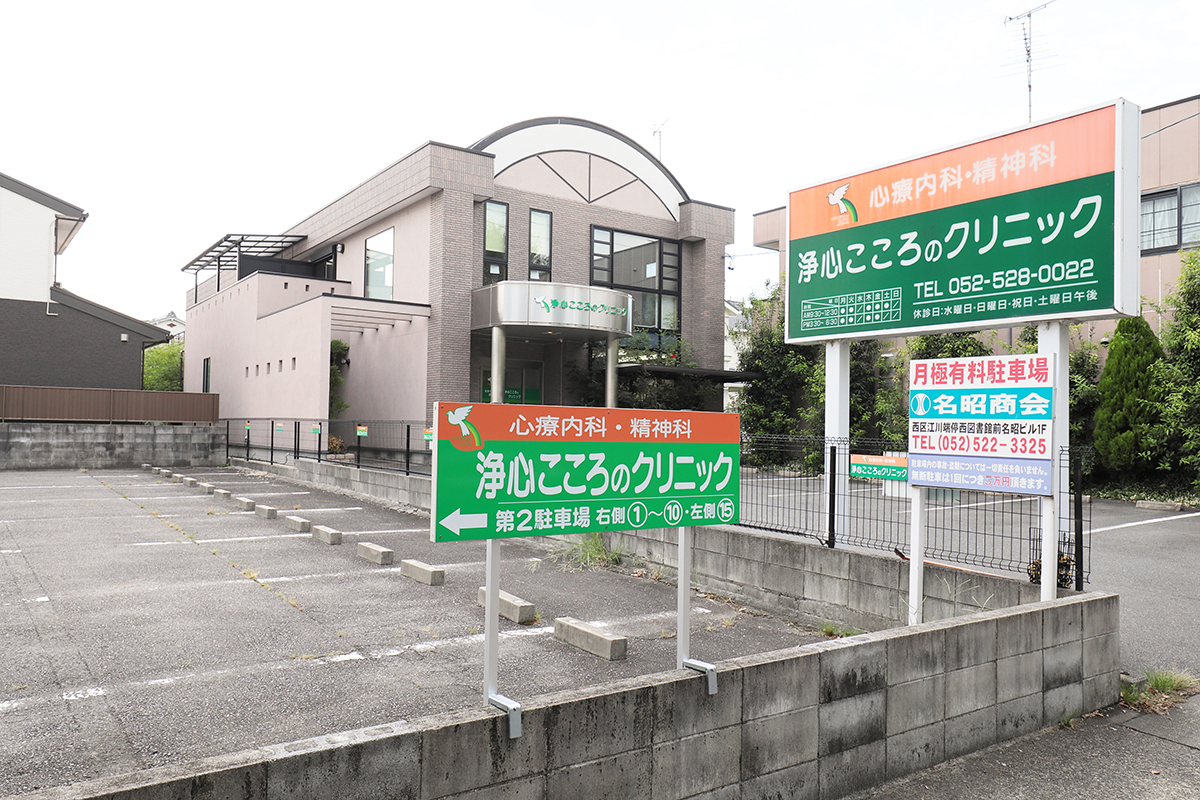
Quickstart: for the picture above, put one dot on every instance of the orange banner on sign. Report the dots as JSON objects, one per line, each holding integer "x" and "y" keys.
{"x": 482, "y": 422}
{"x": 1043, "y": 155}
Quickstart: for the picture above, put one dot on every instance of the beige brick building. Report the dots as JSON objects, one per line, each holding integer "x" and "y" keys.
{"x": 551, "y": 206}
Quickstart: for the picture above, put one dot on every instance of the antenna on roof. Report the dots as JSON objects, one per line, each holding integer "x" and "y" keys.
{"x": 658, "y": 131}
{"x": 1027, "y": 34}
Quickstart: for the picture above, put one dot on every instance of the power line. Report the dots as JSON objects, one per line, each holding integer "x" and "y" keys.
{"x": 1172, "y": 125}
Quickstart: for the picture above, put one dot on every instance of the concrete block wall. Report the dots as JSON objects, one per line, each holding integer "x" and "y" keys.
{"x": 385, "y": 485}
{"x": 864, "y": 590}
{"x": 820, "y": 722}
{"x": 66, "y": 445}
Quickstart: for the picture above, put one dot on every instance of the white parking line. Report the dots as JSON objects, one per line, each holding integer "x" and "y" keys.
{"x": 223, "y": 539}
{"x": 1144, "y": 522}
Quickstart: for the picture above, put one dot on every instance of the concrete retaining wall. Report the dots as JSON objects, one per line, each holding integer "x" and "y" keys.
{"x": 799, "y": 575}
{"x": 67, "y": 445}
{"x": 818, "y": 721}
{"x": 385, "y": 485}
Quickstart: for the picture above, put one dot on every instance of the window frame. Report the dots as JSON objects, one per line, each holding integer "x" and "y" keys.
{"x": 548, "y": 267}
{"x": 367, "y": 264}
{"x": 666, "y": 274}
{"x": 494, "y": 258}
{"x": 1179, "y": 244}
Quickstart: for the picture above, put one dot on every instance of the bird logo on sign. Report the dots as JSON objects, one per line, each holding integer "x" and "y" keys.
{"x": 838, "y": 198}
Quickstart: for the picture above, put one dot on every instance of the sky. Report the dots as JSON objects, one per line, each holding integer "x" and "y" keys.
{"x": 175, "y": 124}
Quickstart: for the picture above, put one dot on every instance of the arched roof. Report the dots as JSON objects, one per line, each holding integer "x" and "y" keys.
{"x": 535, "y": 137}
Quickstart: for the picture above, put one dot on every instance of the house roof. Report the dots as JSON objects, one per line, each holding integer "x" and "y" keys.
{"x": 144, "y": 330}
{"x": 69, "y": 217}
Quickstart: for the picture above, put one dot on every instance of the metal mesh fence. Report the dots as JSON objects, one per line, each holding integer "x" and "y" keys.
{"x": 783, "y": 490}
{"x": 398, "y": 445}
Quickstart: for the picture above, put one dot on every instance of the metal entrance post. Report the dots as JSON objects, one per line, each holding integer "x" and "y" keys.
{"x": 916, "y": 554}
{"x": 610, "y": 371}
{"x": 683, "y": 628}
{"x": 491, "y": 590}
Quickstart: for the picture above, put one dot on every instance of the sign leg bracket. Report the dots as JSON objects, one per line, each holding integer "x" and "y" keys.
{"x": 708, "y": 669}
{"x": 513, "y": 709}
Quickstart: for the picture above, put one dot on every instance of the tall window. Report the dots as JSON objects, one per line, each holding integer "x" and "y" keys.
{"x": 380, "y": 264}
{"x": 1171, "y": 219}
{"x": 647, "y": 268}
{"x": 206, "y": 375}
{"x": 495, "y": 242}
{"x": 539, "y": 245}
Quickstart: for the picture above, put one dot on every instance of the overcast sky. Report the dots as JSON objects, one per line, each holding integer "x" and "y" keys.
{"x": 174, "y": 124}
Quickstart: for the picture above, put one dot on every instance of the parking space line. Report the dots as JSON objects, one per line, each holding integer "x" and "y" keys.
{"x": 222, "y": 539}
{"x": 1144, "y": 522}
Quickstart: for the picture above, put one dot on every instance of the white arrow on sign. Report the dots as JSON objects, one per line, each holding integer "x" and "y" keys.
{"x": 457, "y": 521}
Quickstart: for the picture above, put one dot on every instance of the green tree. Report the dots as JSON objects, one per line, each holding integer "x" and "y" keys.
{"x": 946, "y": 345}
{"x": 338, "y": 350}
{"x": 162, "y": 367}
{"x": 788, "y": 396}
{"x": 645, "y": 389}
{"x": 1176, "y": 378}
{"x": 1126, "y": 417}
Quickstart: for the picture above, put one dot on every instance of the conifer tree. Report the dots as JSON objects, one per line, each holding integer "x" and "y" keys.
{"x": 1126, "y": 416}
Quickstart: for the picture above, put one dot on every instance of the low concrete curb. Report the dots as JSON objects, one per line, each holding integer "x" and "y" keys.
{"x": 190, "y": 481}
{"x": 326, "y": 534}
{"x": 298, "y": 524}
{"x": 374, "y": 553}
{"x": 208, "y": 488}
{"x": 590, "y": 639}
{"x": 511, "y": 606}
{"x": 244, "y": 503}
{"x": 422, "y": 572}
{"x": 1158, "y": 505}
{"x": 222, "y": 494}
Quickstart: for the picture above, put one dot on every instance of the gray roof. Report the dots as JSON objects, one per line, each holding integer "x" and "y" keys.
{"x": 38, "y": 196}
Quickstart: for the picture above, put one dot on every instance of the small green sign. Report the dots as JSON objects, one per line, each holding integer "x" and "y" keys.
{"x": 360, "y": 430}
{"x": 317, "y": 429}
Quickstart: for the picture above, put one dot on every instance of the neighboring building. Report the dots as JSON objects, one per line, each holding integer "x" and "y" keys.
{"x": 1170, "y": 207}
{"x": 733, "y": 319}
{"x": 51, "y": 336}
{"x": 543, "y": 229}
{"x": 170, "y": 323}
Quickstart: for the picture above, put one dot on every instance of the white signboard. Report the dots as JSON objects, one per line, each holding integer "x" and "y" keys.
{"x": 982, "y": 423}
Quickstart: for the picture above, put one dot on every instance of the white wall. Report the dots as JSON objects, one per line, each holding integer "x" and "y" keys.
{"x": 26, "y": 248}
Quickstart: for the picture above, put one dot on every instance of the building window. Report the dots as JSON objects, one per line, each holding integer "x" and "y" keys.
{"x": 540, "y": 223}
{"x": 380, "y": 263}
{"x": 645, "y": 267}
{"x": 205, "y": 376}
{"x": 1171, "y": 220}
{"x": 495, "y": 242}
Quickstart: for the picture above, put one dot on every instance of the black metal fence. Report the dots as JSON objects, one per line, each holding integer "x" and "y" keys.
{"x": 398, "y": 445}
{"x": 783, "y": 490}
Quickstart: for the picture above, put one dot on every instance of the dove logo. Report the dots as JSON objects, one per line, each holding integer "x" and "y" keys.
{"x": 469, "y": 438}
{"x": 838, "y": 198}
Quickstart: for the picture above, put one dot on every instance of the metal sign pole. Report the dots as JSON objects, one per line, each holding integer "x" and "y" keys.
{"x": 683, "y": 627}
{"x": 1053, "y": 342}
{"x": 491, "y": 591}
{"x": 916, "y": 563}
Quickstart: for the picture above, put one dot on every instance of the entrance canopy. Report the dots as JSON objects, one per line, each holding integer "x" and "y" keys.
{"x": 537, "y": 310}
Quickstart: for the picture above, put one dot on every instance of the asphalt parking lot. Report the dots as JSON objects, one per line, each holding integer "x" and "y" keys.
{"x": 146, "y": 623}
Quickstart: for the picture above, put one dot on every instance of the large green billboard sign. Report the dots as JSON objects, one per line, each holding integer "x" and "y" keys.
{"x": 1037, "y": 224}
